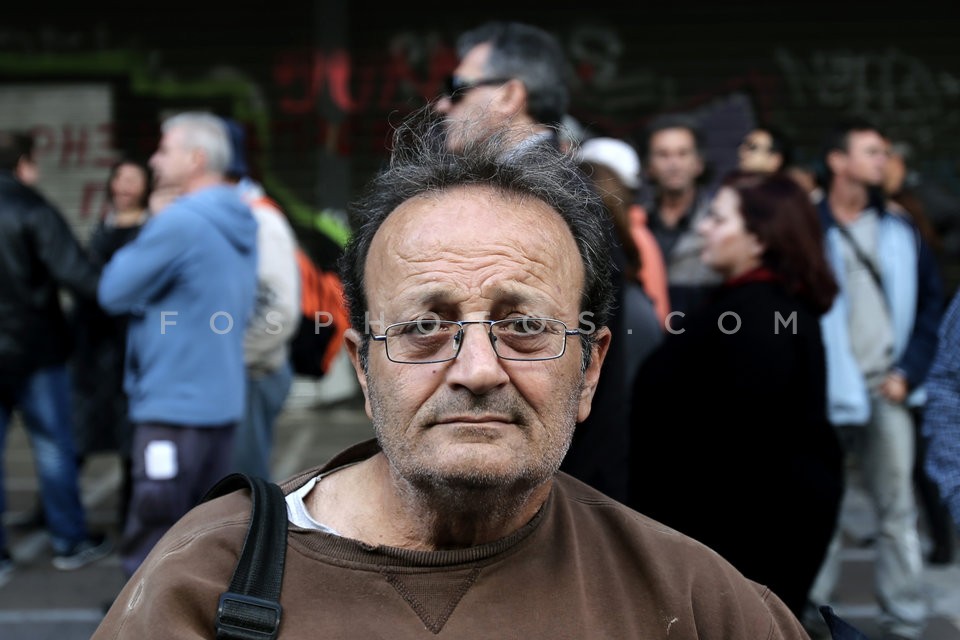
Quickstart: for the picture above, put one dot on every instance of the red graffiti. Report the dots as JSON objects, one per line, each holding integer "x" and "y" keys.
{"x": 305, "y": 79}
{"x": 305, "y": 76}
{"x": 75, "y": 145}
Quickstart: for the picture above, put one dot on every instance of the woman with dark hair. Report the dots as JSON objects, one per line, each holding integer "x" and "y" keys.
{"x": 730, "y": 442}
{"x": 100, "y": 405}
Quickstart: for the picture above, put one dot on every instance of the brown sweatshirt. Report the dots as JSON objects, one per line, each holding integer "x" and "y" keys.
{"x": 585, "y": 567}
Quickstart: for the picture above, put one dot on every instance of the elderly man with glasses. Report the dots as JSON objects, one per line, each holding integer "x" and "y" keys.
{"x": 478, "y": 293}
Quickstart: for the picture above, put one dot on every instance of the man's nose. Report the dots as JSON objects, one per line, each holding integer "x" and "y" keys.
{"x": 477, "y": 366}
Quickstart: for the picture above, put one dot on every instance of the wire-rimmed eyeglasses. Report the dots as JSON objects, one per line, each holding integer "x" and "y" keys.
{"x": 456, "y": 88}
{"x": 429, "y": 341}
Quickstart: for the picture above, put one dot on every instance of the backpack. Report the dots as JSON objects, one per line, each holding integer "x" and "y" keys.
{"x": 250, "y": 608}
{"x": 323, "y": 322}
{"x": 323, "y": 319}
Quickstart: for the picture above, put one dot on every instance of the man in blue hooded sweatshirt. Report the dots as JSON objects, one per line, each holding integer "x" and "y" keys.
{"x": 188, "y": 283}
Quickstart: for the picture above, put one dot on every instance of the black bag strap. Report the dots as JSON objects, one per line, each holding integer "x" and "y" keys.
{"x": 840, "y": 629}
{"x": 863, "y": 257}
{"x": 250, "y": 608}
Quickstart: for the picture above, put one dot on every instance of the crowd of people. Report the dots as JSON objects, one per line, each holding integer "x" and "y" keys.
{"x": 174, "y": 351}
{"x": 675, "y": 380}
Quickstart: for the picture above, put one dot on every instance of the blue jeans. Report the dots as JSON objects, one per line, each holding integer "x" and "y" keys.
{"x": 44, "y": 403}
{"x": 253, "y": 439}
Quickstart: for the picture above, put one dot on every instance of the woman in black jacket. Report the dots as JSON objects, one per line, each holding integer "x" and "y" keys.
{"x": 730, "y": 441}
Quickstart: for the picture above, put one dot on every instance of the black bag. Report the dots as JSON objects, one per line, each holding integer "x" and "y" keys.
{"x": 250, "y": 608}
{"x": 840, "y": 629}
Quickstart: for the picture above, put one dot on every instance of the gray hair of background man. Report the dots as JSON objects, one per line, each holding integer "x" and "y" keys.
{"x": 14, "y": 145}
{"x": 206, "y": 132}
{"x": 531, "y": 55}
{"x": 421, "y": 164}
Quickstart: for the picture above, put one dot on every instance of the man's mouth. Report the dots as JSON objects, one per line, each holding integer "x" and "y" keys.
{"x": 486, "y": 419}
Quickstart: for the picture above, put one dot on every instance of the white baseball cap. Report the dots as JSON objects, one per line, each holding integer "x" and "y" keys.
{"x": 616, "y": 154}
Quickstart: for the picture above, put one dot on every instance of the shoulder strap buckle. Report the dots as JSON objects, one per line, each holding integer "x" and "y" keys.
{"x": 247, "y": 617}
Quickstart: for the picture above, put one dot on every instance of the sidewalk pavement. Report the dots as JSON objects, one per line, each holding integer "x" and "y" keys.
{"x": 42, "y": 603}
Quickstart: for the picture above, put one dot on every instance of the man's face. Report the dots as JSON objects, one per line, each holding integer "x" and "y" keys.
{"x": 173, "y": 163}
{"x": 674, "y": 163}
{"x": 473, "y": 112}
{"x": 756, "y": 153}
{"x": 476, "y": 421}
{"x": 865, "y": 160}
{"x": 28, "y": 171}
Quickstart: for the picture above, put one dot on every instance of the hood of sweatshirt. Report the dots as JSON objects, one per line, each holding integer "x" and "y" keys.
{"x": 222, "y": 206}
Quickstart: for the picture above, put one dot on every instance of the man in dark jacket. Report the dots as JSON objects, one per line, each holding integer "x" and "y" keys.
{"x": 38, "y": 254}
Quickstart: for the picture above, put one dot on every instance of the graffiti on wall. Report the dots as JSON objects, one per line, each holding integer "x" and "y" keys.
{"x": 891, "y": 87}
{"x": 339, "y": 102}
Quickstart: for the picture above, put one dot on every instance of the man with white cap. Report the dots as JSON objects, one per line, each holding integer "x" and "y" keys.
{"x": 624, "y": 161}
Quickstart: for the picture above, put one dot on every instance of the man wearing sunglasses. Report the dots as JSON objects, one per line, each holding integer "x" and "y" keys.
{"x": 511, "y": 76}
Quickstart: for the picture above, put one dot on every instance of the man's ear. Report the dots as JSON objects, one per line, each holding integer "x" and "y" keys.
{"x": 835, "y": 160}
{"x": 352, "y": 340}
{"x": 512, "y": 97}
{"x": 198, "y": 160}
{"x": 600, "y": 345}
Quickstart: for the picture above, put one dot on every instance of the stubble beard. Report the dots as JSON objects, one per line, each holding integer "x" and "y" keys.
{"x": 484, "y": 492}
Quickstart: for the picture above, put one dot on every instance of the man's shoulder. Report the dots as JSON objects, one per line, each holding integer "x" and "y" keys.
{"x": 217, "y": 524}
{"x": 180, "y": 212}
{"x": 17, "y": 196}
{"x": 899, "y": 217}
{"x": 198, "y": 556}
{"x": 611, "y": 517}
{"x": 609, "y": 532}
{"x": 218, "y": 197}
{"x": 190, "y": 213}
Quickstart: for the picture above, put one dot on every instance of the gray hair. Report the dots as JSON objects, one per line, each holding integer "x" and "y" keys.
{"x": 206, "y": 132}
{"x": 531, "y": 55}
{"x": 421, "y": 164}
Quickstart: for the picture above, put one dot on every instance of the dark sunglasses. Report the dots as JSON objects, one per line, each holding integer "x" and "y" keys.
{"x": 749, "y": 145}
{"x": 455, "y": 87}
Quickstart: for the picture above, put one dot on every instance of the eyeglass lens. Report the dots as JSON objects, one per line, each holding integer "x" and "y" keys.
{"x": 438, "y": 340}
